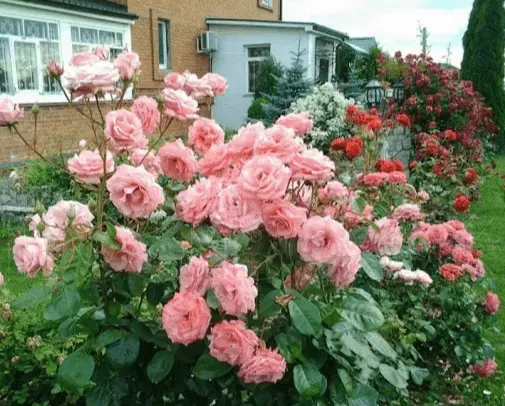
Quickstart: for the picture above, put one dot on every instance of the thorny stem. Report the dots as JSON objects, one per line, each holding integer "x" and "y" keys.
{"x": 157, "y": 141}
{"x": 71, "y": 104}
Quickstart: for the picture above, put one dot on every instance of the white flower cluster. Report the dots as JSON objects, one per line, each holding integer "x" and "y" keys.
{"x": 327, "y": 107}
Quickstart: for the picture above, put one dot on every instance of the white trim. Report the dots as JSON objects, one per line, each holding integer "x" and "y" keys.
{"x": 274, "y": 24}
{"x": 254, "y": 59}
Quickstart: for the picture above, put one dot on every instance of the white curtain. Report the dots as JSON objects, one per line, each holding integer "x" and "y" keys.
{"x": 26, "y": 65}
{"x": 49, "y": 51}
{"x": 5, "y": 67}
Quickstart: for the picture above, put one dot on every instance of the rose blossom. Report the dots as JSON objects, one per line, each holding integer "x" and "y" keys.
{"x": 30, "y": 255}
{"x": 462, "y": 256}
{"x": 303, "y": 276}
{"x": 88, "y": 166}
{"x": 485, "y": 369}
{"x": 123, "y": 129}
{"x": 423, "y": 196}
{"x": 242, "y": 144}
{"x": 194, "y": 276}
{"x": 84, "y": 58}
{"x": 177, "y": 161}
{"x": 322, "y": 240}
{"x": 345, "y": 267}
{"x": 196, "y": 87}
{"x": 234, "y": 289}
{"x": 333, "y": 190}
{"x": 408, "y": 212}
{"x": 492, "y": 303}
{"x": 279, "y": 142}
{"x": 451, "y": 272}
{"x": 373, "y": 179}
{"x": 411, "y": 277}
{"x": 312, "y": 164}
{"x": 301, "y": 123}
{"x": 146, "y": 109}
{"x": 232, "y": 343}
{"x": 216, "y": 82}
{"x": 283, "y": 219}
{"x": 10, "y": 113}
{"x": 91, "y": 79}
{"x": 390, "y": 265}
{"x": 127, "y": 63}
{"x": 397, "y": 178}
{"x": 264, "y": 178}
{"x": 66, "y": 214}
{"x": 175, "y": 81}
{"x": 265, "y": 366}
{"x": 186, "y": 318}
{"x": 203, "y": 134}
{"x": 102, "y": 53}
{"x": 53, "y": 69}
{"x": 179, "y": 105}
{"x": 134, "y": 191}
{"x": 233, "y": 212}
{"x": 196, "y": 202}
{"x": 130, "y": 257}
{"x": 387, "y": 240}
{"x": 216, "y": 161}
{"x": 437, "y": 234}
{"x": 148, "y": 160}
{"x": 82, "y": 143}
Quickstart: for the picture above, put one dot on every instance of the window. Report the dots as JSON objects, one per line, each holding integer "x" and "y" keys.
{"x": 267, "y": 3}
{"x": 26, "y": 47}
{"x": 84, "y": 39}
{"x": 164, "y": 51}
{"x": 255, "y": 56}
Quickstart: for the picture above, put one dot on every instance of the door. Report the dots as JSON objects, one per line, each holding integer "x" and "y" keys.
{"x": 324, "y": 70}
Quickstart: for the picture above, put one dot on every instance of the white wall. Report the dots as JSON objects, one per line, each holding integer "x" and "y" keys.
{"x": 230, "y": 61}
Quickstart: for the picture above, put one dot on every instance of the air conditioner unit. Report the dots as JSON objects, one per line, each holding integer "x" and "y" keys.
{"x": 207, "y": 42}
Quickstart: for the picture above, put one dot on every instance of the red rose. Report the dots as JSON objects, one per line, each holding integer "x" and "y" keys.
{"x": 431, "y": 147}
{"x": 374, "y": 125}
{"x": 476, "y": 253}
{"x": 471, "y": 175}
{"x": 398, "y": 165}
{"x": 451, "y": 135}
{"x": 403, "y": 120}
{"x": 461, "y": 204}
{"x": 338, "y": 144}
{"x": 353, "y": 147}
{"x": 438, "y": 169}
{"x": 413, "y": 165}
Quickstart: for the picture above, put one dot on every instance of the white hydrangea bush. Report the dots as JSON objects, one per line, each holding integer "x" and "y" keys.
{"x": 327, "y": 107}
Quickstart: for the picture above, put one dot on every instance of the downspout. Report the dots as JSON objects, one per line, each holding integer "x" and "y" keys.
{"x": 280, "y": 10}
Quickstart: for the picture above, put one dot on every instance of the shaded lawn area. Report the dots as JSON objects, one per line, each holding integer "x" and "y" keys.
{"x": 488, "y": 227}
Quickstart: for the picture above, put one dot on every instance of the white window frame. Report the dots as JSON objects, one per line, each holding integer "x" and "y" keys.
{"x": 92, "y": 46}
{"x": 254, "y": 59}
{"x": 65, "y": 21}
{"x": 267, "y": 3}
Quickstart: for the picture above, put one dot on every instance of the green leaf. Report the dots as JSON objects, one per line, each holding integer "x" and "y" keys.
{"x": 105, "y": 239}
{"x": 154, "y": 293}
{"x": 243, "y": 239}
{"x": 107, "y": 337}
{"x": 208, "y": 368}
{"x": 124, "y": 352}
{"x": 380, "y": 344}
{"x": 363, "y": 395}
{"x": 167, "y": 249}
{"x": 100, "y": 396}
{"x": 136, "y": 284}
{"x": 360, "y": 348}
{"x": 419, "y": 375}
{"x": 160, "y": 366}
{"x": 394, "y": 377}
{"x": 201, "y": 236}
{"x": 227, "y": 247}
{"x": 372, "y": 266}
{"x": 212, "y": 300}
{"x": 67, "y": 304}
{"x": 76, "y": 370}
{"x": 363, "y": 315}
{"x": 345, "y": 379}
{"x": 306, "y": 317}
{"x": 290, "y": 346}
{"x": 34, "y": 297}
{"x": 358, "y": 204}
{"x": 309, "y": 382}
{"x": 358, "y": 234}
{"x": 268, "y": 307}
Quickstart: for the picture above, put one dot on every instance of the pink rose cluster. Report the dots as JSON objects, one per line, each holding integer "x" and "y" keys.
{"x": 301, "y": 123}
{"x": 385, "y": 238}
{"x": 376, "y": 179}
{"x": 408, "y": 213}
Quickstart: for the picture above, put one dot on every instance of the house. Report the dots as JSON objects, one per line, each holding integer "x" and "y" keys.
{"x": 163, "y": 32}
{"x": 362, "y": 45}
{"x": 243, "y": 44}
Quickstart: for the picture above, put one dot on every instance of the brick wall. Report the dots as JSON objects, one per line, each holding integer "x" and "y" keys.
{"x": 60, "y": 127}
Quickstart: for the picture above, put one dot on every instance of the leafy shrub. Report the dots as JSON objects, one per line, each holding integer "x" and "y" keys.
{"x": 256, "y": 110}
{"x": 268, "y": 76}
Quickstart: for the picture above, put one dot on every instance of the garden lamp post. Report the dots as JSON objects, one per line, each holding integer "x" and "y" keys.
{"x": 374, "y": 93}
{"x": 399, "y": 92}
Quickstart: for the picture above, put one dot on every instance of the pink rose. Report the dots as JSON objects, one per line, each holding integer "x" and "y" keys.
{"x": 373, "y": 179}
{"x": 179, "y": 105}
{"x": 130, "y": 257}
{"x": 123, "y": 129}
{"x": 146, "y": 109}
{"x": 234, "y": 289}
{"x": 492, "y": 303}
{"x": 462, "y": 256}
{"x": 91, "y": 79}
{"x": 333, "y": 190}
{"x": 216, "y": 82}
{"x": 485, "y": 369}
{"x": 2, "y": 280}
{"x": 277, "y": 142}
{"x": 437, "y": 234}
{"x": 387, "y": 240}
{"x": 414, "y": 277}
{"x": 196, "y": 202}
{"x": 408, "y": 212}
{"x": 175, "y": 81}
{"x": 322, "y": 240}
{"x": 397, "y": 178}
{"x": 232, "y": 343}
{"x": 313, "y": 165}
{"x": 301, "y": 123}
{"x": 88, "y": 166}
{"x": 303, "y": 276}
{"x": 216, "y": 161}
{"x": 235, "y": 213}
{"x": 264, "y": 178}
{"x": 241, "y": 147}
{"x": 10, "y": 113}
{"x": 283, "y": 219}
{"x": 196, "y": 87}
{"x": 463, "y": 238}
{"x": 203, "y": 134}
{"x": 194, "y": 277}
{"x": 343, "y": 270}
{"x": 265, "y": 366}
{"x": 177, "y": 161}
{"x": 53, "y": 69}
{"x": 148, "y": 160}
{"x": 102, "y": 53}
{"x": 128, "y": 64}
{"x": 423, "y": 196}
{"x": 186, "y": 318}
{"x": 67, "y": 214}
{"x": 134, "y": 192}
{"x": 30, "y": 255}
{"x": 84, "y": 58}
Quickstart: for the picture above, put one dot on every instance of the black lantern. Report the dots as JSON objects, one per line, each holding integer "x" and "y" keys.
{"x": 374, "y": 93}
{"x": 399, "y": 92}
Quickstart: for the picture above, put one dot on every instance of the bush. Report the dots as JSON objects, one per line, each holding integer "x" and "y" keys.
{"x": 268, "y": 76}
{"x": 256, "y": 110}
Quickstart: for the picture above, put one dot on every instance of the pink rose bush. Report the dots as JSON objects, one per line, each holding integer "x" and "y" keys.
{"x": 261, "y": 259}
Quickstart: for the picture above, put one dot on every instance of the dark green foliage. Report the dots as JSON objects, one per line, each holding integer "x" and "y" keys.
{"x": 345, "y": 60}
{"x": 483, "y": 61}
{"x": 368, "y": 67}
{"x": 256, "y": 111}
{"x": 268, "y": 76}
